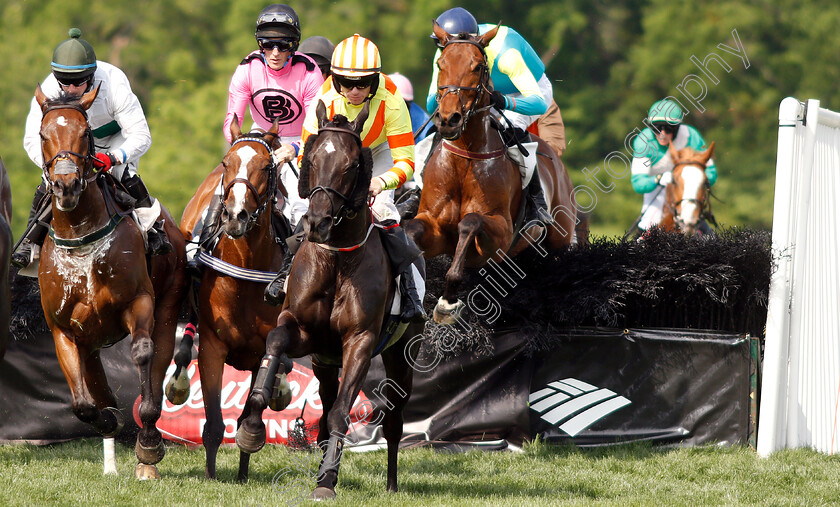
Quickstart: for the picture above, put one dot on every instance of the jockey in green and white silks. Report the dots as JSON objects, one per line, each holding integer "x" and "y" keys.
{"x": 652, "y": 165}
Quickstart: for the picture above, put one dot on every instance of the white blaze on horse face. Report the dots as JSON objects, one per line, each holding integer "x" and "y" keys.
{"x": 693, "y": 180}
{"x": 61, "y": 121}
{"x": 329, "y": 147}
{"x": 240, "y": 190}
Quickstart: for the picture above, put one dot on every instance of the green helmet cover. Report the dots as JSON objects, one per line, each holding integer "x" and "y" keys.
{"x": 666, "y": 110}
{"x": 74, "y": 58}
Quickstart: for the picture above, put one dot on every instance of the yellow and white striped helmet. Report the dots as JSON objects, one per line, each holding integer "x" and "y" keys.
{"x": 355, "y": 56}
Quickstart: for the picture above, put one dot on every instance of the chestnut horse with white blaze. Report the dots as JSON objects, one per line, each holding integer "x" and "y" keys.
{"x": 686, "y": 197}
{"x": 233, "y": 318}
{"x": 97, "y": 285}
{"x": 472, "y": 191}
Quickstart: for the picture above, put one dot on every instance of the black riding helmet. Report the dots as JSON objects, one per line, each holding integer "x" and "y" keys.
{"x": 319, "y": 49}
{"x": 74, "y": 59}
{"x": 278, "y": 21}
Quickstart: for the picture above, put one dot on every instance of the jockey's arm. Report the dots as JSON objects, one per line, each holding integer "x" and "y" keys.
{"x": 400, "y": 140}
{"x": 128, "y": 113}
{"x": 431, "y": 98}
{"x": 239, "y": 94}
{"x": 531, "y": 103}
{"x": 31, "y": 137}
{"x": 640, "y": 168}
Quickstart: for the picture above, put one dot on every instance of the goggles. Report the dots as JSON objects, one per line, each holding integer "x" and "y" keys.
{"x": 282, "y": 45}
{"x": 666, "y": 128}
{"x": 77, "y": 81}
{"x": 360, "y": 83}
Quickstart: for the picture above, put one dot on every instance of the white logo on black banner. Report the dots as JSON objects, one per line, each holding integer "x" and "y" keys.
{"x": 575, "y": 403}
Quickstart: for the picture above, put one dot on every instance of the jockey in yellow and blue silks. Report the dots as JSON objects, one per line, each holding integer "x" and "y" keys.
{"x": 519, "y": 81}
{"x": 652, "y": 166}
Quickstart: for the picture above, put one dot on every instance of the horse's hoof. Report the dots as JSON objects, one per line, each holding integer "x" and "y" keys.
{"x": 149, "y": 455}
{"x": 281, "y": 395}
{"x": 120, "y": 422}
{"x": 250, "y": 442}
{"x": 145, "y": 472}
{"x": 446, "y": 314}
{"x": 322, "y": 493}
{"x": 178, "y": 389}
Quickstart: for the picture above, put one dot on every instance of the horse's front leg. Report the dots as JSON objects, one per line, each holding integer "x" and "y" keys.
{"x": 250, "y": 436}
{"x": 139, "y": 320}
{"x": 328, "y": 391}
{"x": 356, "y": 362}
{"x": 482, "y": 234}
{"x": 426, "y": 234}
{"x": 211, "y": 363}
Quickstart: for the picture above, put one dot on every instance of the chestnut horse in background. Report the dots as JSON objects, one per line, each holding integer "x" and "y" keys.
{"x": 472, "y": 191}
{"x": 686, "y": 198}
{"x": 233, "y": 318}
{"x": 97, "y": 286}
{"x": 5, "y": 256}
{"x": 340, "y": 290}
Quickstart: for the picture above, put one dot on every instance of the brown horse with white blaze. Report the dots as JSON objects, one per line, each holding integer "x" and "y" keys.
{"x": 340, "y": 290}
{"x": 472, "y": 191}
{"x": 233, "y": 318}
{"x": 686, "y": 197}
{"x": 96, "y": 285}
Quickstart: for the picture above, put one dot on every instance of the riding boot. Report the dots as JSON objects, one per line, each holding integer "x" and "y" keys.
{"x": 411, "y": 308}
{"x": 536, "y": 201}
{"x": 40, "y": 216}
{"x": 274, "y": 293}
{"x": 402, "y": 252}
{"x": 409, "y": 205}
{"x": 209, "y": 227}
{"x": 158, "y": 242}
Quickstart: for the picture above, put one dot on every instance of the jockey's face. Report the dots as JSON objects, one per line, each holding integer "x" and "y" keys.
{"x": 664, "y": 132}
{"x": 276, "y": 52}
{"x": 355, "y": 96}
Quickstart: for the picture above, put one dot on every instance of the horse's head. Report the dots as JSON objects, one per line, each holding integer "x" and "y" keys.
{"x": 334, "y": 174}
{"x": 249, "y": 179}
{"x": 463, "y": 79}
{"x": 66, "y": 145}
{"x": 686, "y": 196}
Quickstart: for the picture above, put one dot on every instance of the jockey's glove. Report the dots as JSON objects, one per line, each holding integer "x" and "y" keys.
{"x": 104, "y": 161}
{"x": 497, "y": 100}
{"x": 665, "y": 179}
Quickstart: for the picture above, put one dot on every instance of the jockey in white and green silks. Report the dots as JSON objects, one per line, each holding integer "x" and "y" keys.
{"x": 652, "y": 166}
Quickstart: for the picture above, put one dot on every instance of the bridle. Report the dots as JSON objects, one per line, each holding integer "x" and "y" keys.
{"x": 64, "y": 155}
{"x": 263, "y": 200}
{"x": 344, "y": 210}
{"x": 483, "y": 80}
{"x": 700, "y": 203}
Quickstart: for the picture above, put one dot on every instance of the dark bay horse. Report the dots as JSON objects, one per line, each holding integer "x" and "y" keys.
{"x": 5, "y": 255}
{"x": 233, "y": 318}
{"x": 340, "y": 291}
{"x": 686, "y": 197}
{"x": 472, "y": 189}
{"x": 96, "y": 284}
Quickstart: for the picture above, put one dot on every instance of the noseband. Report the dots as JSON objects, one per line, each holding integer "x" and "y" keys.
{"x": 64, "y": 155}
{"x": 263, "y": 200}
{"x": 483, "y": 78}
{"x": 343, "y": 210}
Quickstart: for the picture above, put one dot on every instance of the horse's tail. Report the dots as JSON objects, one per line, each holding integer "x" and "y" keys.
{"x": 582, "y": 228}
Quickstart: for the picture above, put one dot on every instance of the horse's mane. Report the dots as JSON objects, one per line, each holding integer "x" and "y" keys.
{"x": 63, "y": 99}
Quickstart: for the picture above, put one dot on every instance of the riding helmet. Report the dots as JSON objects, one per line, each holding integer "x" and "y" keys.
{"x": 666, "y": 110}
{"x": 403, "y": 85}
{"x": 74, "y": 58}
{"x": 319, "y": 49}
{"x": 457, "y": 20}
{"x": 355, "y": 57}
{"x": 278, "y": 21}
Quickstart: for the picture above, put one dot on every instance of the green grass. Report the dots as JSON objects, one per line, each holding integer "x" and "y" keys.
{"x": 71, "y": 474}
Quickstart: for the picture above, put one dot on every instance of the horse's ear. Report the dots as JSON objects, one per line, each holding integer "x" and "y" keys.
{"x": 40, "y": 97}
{"x": 485, "y": 38}
{"x": 87, "y": 99}
{"x": 358, "y": 124}
{"x": 235, "y": 129}
{"x": 440, "y": 33}
{"x": 675, "y": 155}
{"x": 321, "y": 114}
{"x": 271, "y": 135}
{"x": 709, "y": 151}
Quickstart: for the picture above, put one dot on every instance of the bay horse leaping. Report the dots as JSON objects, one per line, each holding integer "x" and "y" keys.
{"x": 96, "y": 285}
{"x": 472, "y": 191}
{"x": 340, "y": 290}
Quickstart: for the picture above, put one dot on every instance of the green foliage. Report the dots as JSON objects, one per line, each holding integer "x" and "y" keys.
{"x": 608, "y": 61}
